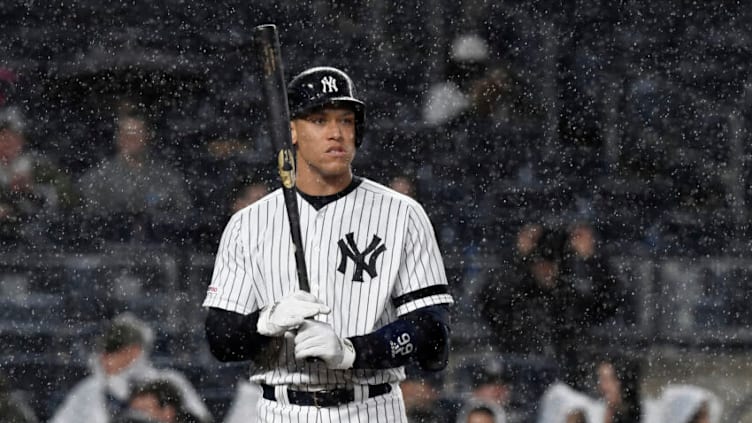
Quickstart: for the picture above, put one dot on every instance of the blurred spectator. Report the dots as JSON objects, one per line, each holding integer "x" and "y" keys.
{"x": 562, "y": 404}
{"x": 121, "y": 361}
{"x": 247, "y": 194}
{"x": 423, "y": 397}
{"x": 528, "y": 299}
{"x": 13, "y": 406}
{"x": 585, "y": 269}
{"x": 448, "y": 99}
{"x": 479, "y": 412}
{"x": 403, "y": 184}
{"x": 558, "y": 288}
{"x": 490, "y": 389}
{"x": 32, "y": 189}
{"x": 689, "y": 404}
{"x": 450, "y": 135}
{"x": 619, "y": 387}
{"x": 490, "y": 382}
{"x": 476, "y": 127}
{"x": 156, "y": 401}
{"x": 134, "y": 187}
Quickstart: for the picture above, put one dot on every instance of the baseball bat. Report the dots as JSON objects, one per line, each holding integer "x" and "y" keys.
{"x": 266, "y": 40}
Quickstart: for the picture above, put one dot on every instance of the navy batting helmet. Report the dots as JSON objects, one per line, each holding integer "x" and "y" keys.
{"x": 322, "y": 86}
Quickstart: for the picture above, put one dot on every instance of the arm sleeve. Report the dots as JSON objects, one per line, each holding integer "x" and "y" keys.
{"x": 233, "y": 336}
{"x": 420, "y": 336}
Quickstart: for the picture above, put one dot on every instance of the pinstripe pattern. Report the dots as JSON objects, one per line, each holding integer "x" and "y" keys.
{"x": 255, "y": 266}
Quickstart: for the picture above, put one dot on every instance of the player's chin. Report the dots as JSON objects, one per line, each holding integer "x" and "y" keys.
{"x": 336, "y": 168}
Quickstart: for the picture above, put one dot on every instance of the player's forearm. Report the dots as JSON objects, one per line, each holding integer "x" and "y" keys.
{"x": 233, "y": 336}
{"x": 421, "y": 336}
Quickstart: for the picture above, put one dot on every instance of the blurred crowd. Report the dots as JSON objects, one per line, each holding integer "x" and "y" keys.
{"x": 129, "y": 197}
{"x": 125, "y": 385}
{"x": 613, "y": 394}
{"x": 543, "y": 308}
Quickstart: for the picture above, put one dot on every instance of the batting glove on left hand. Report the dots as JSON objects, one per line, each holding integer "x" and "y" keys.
{"x": 289, "y": 312}
{"x": 317, "y": 339}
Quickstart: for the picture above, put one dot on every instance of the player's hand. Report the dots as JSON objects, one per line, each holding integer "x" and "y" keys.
{"x": 317, "y": 339}
{"x": 289, "y": 312}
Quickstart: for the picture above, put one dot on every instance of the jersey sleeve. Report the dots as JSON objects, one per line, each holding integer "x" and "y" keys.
{"x": 232, "y": 285}
{"x": 422, "y": 280}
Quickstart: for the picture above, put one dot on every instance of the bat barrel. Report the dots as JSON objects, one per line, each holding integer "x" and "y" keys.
{"x": 266, "y": 40}
{"x": 275, "y": 90}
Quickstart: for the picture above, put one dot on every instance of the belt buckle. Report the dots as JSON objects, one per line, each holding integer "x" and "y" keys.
{"x": 316, "y": 400}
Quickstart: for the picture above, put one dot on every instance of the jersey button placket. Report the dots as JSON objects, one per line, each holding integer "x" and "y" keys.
{"x": 316, "y": 250}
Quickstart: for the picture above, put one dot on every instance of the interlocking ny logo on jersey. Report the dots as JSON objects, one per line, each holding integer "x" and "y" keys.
{"x": 350, "y": 250}
{"x": 329, "y": 84}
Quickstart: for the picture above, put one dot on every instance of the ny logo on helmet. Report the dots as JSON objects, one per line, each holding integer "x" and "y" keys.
{"x": 329, "y": 84}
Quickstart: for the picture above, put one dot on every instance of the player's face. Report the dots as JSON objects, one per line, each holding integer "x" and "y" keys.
{"x": 325, "y": 143}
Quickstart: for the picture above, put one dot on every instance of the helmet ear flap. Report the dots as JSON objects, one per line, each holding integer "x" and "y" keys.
{"x": 321, "y": 86}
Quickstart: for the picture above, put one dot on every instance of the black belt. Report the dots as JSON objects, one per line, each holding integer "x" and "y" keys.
{"x": 326, "y": 398}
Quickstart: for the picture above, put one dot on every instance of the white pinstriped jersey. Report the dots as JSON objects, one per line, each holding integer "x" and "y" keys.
{"x": 372, "y": 256}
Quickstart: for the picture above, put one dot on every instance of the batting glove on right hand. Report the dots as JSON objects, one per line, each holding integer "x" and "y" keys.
{"x": 288, "y": 313}
{"x": 318, "y": 340}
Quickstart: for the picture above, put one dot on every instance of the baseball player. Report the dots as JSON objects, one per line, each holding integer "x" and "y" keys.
{"x": 379, "y": 297}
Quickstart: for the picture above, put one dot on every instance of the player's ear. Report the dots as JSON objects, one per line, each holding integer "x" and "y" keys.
{"x": 293, "y": 133}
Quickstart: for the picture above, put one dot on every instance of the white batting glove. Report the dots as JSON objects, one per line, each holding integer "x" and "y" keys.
{"x": 288, "y": 313}
{"x": 317, "y": 339}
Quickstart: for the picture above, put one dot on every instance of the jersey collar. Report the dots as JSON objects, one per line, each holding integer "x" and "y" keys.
{"x": 319, "y": 201}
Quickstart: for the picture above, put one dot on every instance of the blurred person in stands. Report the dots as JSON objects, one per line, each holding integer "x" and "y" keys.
{"x": 215, "y": 212}
{"x": 619, "y": 387}
{"x": 449, "y": 98}
{"x": 422, "y": 391}
{"x": 121, "y": 361}
{"x": 134, "y": 188}
{"x": 445, "y": 108}
{"x": 247, "y": 194}
{"x": 528, "y": 299}
{"x": 403, "y": 184}
{"x": 14, "y": 408}
{"x": 156, "y": 401}
{"x": 32, "y": 189}
{"x": 562, "y": 404}
{"x": 585, "y": 268}
{"x": 489, "y": 389}
{"x": 479, "y": 412}
{"x": 478, "y": 103}
{"x": 689, "y": 404}
{"x": 548, "y": 301}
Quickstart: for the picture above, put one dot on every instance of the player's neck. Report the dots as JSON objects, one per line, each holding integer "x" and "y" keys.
{"x": 319, "y": 185}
